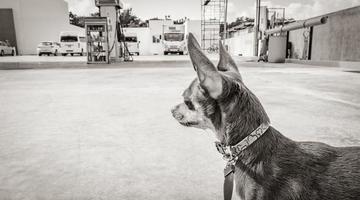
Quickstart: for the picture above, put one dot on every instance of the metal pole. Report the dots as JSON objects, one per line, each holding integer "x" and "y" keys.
{"x": 256, "y": 28}
{"x": 225, "y": 23}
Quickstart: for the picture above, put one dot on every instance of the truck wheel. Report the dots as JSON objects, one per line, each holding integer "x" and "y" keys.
{"x": 2, "y": 53}
{"x": 181, "y": 53}
{"x": 64, "y": 54}
{"x": 40, "y": 54}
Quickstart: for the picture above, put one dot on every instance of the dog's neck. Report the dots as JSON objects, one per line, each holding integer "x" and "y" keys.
{"x": 243, "y": 117}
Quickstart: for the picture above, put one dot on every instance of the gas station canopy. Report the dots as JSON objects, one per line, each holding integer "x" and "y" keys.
{"x": 117, "y": 3}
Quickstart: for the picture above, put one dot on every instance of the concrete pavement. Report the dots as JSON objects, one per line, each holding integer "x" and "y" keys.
{"x": 108, "y": 133}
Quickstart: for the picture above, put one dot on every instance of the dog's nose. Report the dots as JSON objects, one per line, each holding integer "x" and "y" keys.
{"x": 173, "y": 110}
{"x": 177, "y": 115}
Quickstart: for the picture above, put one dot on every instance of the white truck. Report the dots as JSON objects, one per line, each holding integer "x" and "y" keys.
{"x": 72, "y": 43}
{"x": 174, "y": 40}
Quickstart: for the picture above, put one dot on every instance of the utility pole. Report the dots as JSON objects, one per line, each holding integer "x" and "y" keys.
{"x": 256, "y": 28}
{"x": 225, "y": 19}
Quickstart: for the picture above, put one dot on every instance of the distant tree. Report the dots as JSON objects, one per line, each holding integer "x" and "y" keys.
{"x": 128, "y": 19}
{"x": 76, "y": 20}
{"x": 180, "y": 21}
{"x": 239, "y": 21}
{"x": 95, "y": 14}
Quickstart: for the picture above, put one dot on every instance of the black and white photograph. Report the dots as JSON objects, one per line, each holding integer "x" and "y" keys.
{"x": 179, "y": 100}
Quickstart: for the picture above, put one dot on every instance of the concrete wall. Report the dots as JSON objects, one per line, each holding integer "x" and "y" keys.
{"x": 7, "y": 27}
{"x": 241, "y": 43}
{"x": 337, "y": 40}
{"x": 38, "y": 20}
{"x": 297, "y": 40}
{"x": 156, "y": 30}
{"x": 194, "y": 27}
{"x": 144, "y": 37}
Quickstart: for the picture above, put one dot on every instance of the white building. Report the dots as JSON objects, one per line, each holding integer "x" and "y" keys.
{"x": 151, "y": 37}
{"x": 36, "y": 21}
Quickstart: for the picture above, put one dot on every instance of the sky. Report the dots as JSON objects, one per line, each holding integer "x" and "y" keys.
{"x": 145, "y": 9}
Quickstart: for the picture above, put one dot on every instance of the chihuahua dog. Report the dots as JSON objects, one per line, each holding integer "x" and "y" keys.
{"x": 273, "y": 166}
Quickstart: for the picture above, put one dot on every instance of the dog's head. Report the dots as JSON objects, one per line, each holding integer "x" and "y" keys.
{"x": 217, "y": 98}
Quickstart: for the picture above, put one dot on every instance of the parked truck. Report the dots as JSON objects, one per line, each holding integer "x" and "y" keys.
{"x": 174, "y": 40}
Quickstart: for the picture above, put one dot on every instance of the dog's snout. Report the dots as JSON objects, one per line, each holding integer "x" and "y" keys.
{"x": 176, "y": 114}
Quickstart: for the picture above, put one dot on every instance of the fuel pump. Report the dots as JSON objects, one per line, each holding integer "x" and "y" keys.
{"x": 104, "y": 34}
{"x": 111, "y": 9}
{"x": 97, "y": 40}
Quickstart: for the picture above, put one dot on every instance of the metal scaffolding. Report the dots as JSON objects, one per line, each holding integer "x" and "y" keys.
{"x": 212, "y": 21}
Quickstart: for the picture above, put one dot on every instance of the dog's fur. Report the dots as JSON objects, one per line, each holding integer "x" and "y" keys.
{"x": 274, "y": 167}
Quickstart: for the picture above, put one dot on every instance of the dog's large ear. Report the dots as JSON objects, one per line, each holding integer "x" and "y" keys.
{"x": 210, "y": 79}
{"x": 226, "y": 63}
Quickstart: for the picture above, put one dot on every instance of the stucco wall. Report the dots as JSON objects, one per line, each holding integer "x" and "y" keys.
{"x": 339, "y": 38}
{"x": 144, "y": 37}
{"x": 35, "y": 23}
{"x": 7, "y": 27}
{"x": 241, "y": 43}
{"x": 297, "y": 40}
{"x": 194, "y": 27}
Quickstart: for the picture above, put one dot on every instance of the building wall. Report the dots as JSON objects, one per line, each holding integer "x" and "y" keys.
{"x": 151, "y": 38}
{"x": 297, "y": 40}
{"x": 7, "y": 27}
{"x": 337, "y": 40}
{"x": 194, "y": 27}
{"x": 144, "y": 37}
{"x": 34, "y": 23}
{"x": 156, "y": 32}
{"x": 241, "y": 44}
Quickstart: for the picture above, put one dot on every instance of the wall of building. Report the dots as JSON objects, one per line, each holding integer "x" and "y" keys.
{"x": 7, "y": 27}
{"x": 151, "y": 37}
{"x": 194, "y": 27}
{"x": 297, "y": 40}
{"x": 35, "y": 23}
{"x": 144, "y": 37}
{"x": 337, "y": 40}
{"x": 156, "y": 32}
{"x": 241, "y": 44}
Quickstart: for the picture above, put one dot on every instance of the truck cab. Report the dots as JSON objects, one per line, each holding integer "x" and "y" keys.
{"x": 174, "y": 39}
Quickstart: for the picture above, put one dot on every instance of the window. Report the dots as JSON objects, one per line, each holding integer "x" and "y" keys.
{"x": 82, "y": 39}
{"x": 130, "y": 39}
{"x": 69, "y": 39}
{"x": 173, "y": 36}
{"x": 46, "y": 44}
{"x": 156, "y": 38}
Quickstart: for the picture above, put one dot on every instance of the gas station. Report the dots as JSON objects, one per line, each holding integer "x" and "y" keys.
{"x": 103, "y": 34}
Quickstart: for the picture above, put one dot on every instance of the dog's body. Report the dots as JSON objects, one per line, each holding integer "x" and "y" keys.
{"x": 273, "y": 167}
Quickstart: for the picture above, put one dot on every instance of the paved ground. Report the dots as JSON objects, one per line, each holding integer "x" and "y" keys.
{"x": 66, "y": 59}
{"x": 108, "y": 133}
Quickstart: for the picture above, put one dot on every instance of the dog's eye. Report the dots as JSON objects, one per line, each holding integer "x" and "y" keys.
{"x": 190, "y": 105}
